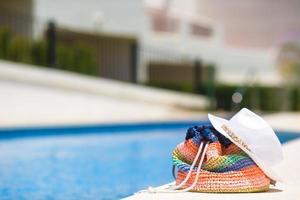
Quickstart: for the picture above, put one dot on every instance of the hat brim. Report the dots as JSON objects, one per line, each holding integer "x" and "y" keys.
{"x": 218, "y": 122}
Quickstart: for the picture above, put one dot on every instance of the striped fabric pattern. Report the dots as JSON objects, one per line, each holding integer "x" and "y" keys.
{"x": 226, "y": 168}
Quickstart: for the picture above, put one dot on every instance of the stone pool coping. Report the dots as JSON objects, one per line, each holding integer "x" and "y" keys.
{"x": 56, "y": 78}
{"x": 288, "y": 190}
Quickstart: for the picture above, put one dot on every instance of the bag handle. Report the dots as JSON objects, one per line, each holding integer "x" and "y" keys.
{"x": 176, "y": 189}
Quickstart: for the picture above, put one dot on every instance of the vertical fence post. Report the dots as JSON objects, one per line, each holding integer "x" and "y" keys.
{"x": 51, "y": 44}
{"x": 197, "y": 75}
{"x": 133, "y": 61}
{"x": 211, "y": 86}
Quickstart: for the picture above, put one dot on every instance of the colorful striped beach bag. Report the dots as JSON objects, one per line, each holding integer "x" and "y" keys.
{"x": 208, "y": 162}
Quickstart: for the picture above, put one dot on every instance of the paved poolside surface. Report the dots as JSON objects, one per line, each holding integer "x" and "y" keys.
{"x": 35, "y": 105}
{"x": 31, "y": 105}
{"x": 32, "y": 96}
{"x": 35, "y": 97}
{"x": 288, "y": 169}
{"x": 289, "y": 190}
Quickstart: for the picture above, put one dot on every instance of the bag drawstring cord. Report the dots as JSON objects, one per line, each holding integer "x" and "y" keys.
{"x": 175, "y": 189}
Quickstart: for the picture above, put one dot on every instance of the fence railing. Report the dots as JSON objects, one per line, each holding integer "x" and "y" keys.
{"x": 45, "y": 43}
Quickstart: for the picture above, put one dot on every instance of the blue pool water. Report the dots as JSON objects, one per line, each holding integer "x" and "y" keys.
{"x": 104, "y": 164}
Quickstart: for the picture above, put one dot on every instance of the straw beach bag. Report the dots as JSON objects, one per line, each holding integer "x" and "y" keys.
{"x": 236, "y": 155}
{"x": 209, "y": 162}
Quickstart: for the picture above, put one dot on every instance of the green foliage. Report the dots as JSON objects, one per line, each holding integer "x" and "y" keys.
{"x": 264, "y": 98}
{"x": 20, "y": 50}
{"x": 295, "y": 95}
{"x": 272, "y": 98}
{"x": 223, "y": 94}
{"x": 182, "y": 87}
{"x": 39, "y": 53}
{"x": 15, "y": 48}
{"x": 79, "y": 57}
{"x": 254, "y": 97}
{"x": 65, "y": 57}
{"x": 4, "y": 42}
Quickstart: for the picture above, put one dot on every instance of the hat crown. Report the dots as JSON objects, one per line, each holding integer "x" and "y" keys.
{"x": 258, "y": 135}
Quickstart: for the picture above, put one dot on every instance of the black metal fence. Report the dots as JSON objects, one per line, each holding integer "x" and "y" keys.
{"x": 45, "y": 43}
{"x": 26, "y": 39}
{"x": 16, "y": 36}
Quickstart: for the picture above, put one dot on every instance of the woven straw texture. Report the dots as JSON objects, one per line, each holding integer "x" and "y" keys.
{"x": 226, "y": 168}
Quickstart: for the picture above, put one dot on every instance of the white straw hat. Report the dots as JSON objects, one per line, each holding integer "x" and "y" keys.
{"x": 254, "y": 136}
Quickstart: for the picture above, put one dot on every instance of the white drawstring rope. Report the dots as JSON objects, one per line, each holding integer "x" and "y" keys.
{"x": 174, "y": 189}
{"x": 198, "y": 171}
{"x": 191, "y": 169}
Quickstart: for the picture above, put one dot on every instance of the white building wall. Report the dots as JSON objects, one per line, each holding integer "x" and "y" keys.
{"x": 126, "y": 16}
{"x": 130, "y": 17}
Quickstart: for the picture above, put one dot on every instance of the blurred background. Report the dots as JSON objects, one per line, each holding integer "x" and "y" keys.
{"x": 111, "y": 68}
{"x": 234, "y": 53}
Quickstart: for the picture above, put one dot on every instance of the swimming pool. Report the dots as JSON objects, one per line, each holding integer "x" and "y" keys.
{"x": 91, "y": 162}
